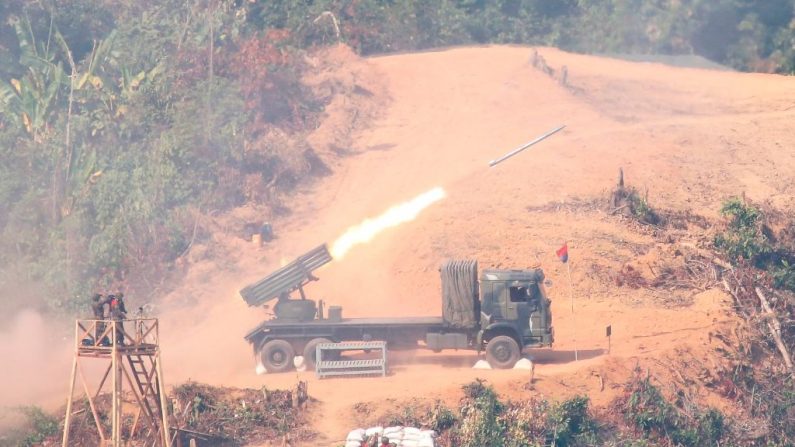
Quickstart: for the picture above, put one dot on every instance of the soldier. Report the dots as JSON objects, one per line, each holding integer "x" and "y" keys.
{"x": 118, "y": 313}
{"x": 98, "y": 308}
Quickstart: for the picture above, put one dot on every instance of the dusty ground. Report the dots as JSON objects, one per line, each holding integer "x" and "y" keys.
{"x": 690, "y": 137}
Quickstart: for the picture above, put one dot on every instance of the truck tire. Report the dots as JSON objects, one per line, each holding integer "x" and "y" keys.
{"x": 277, "y": 356}
{"x": 310, "y": 350}
{"x": 502, "y": 352}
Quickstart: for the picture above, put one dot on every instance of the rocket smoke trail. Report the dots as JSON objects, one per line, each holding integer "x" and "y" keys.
{"x": 366, "y": 230}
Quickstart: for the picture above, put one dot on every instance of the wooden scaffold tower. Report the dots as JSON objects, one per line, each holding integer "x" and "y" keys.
{"x": 133, "y": 367}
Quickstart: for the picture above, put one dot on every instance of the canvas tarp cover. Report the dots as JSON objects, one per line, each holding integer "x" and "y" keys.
{"x": 460, "y": 293}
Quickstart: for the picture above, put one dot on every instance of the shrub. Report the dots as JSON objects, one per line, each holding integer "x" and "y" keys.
{"x": 441, "y": 418}
{"x": 783, "y": 275}
{"x": 642, "y": 210}
{"x": 480, "y": 423}
{"x": 569, "y": 421}
{"x": 629, "y": 202}
{"x": 743, "y": 238}
{"x": 740, "y": 214}
{"x": 647, "y": 410}
{"x": 40, "y": 427}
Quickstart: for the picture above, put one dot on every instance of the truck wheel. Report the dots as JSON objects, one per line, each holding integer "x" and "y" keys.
{"x": 502, "y": 352}
{"x": 277, "y": 356}
{"x": 310, "y": 352}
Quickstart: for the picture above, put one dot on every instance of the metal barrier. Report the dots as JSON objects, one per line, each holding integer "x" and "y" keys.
{"x": 328, "y": 363}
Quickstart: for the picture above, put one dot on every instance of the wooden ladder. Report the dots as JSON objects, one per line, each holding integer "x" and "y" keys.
{"x": 148, "y": 389}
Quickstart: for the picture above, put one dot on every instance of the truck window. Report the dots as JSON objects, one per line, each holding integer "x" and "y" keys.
{"x": 518, "y": 294}
{"x": 524, "y": 294}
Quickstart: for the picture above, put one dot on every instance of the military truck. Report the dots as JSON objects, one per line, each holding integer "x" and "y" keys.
{"x": 503, "y": 313}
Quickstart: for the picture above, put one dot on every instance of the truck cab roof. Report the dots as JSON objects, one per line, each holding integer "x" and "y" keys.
{"x": 533, "y": 275}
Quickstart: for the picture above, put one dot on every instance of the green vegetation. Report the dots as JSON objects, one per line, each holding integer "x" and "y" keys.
{"x": 628, "y": 201}
{"x": 647, "y": 411}
{"x": 748, "y": 239}
{"x": 40, "y": 427}
{"x": 113, "y": 146}
{"x": 743, "y": 238}
{"x": 641, "y": 209}
{"x": 760, "y": 242}
{"x": 571, "y": 424}
{"x": 122, "y": 122}
{"x": 486, "y": 421}
{"x": 743, "y": 34}
{"x": 642, "y": 416}
{"x": 481, "y": 422}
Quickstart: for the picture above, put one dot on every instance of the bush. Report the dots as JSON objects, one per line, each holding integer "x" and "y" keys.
{"x": 40, "y": 427}
{"x": 783, "y": 275}
{"x": 485, "y": 421}
{"x": 740, "y": 214}
{"x": 629, "y": 202}
{"x": 711, "y": 427}
{"x": 441, "y": 418}
{"x": 642, "y": 210}
{"x": 480, "y": 417}
{"x": 743, "y": 238}
{"x": 571, "y": 421}
{"x": 647, "y": 410}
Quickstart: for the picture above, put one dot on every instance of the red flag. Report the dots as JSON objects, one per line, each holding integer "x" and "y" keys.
{"x": 563, "y": 253}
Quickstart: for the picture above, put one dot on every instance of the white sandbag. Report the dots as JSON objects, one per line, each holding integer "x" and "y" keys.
{"x": 393, "y": 429}
{"x": 426, "y": 441}
{"x": 353, "y": 444}
{"x": 524, "y": 364}
{"x": 356, "y": 435}
{"x": 428, "y": 433}
{"x": 481, "y": 364}
{"x": 411, "y": 431}
{"x": 299, "y": 363}
{"x": 395, "y": 439}
{"x": 409, "y": 443}
{"x": 374, "y": 431}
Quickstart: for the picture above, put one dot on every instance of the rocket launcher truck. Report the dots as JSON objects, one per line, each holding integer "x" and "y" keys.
{"x": 502, "y": 312}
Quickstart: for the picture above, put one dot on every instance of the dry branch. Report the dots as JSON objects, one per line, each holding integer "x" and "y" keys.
{"x": 738, "y": 304}
{"x": 775, "y": 328}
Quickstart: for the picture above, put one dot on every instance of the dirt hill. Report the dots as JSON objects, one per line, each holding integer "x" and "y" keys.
{"x": 689, "y": 137}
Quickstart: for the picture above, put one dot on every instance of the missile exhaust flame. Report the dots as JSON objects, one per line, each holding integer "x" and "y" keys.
{"x": 394, "y": 216}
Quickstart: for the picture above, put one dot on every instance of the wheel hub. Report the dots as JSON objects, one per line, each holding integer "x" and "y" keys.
{"x": 502, "y": 353}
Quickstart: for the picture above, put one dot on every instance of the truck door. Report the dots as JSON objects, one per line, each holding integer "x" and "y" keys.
{"x": 522, "y": 302}
{"x": 496, "y": 305}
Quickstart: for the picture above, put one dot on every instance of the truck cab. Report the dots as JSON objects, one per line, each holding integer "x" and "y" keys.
{"x": 514, "y": 302}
